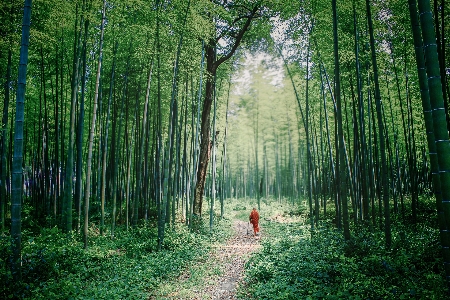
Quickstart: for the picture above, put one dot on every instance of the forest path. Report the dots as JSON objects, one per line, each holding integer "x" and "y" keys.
{"x": 232, "y": 256}
{"x": 218, "y": 276}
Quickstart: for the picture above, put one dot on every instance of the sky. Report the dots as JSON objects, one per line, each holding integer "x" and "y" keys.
{"x": 242, "y": 79}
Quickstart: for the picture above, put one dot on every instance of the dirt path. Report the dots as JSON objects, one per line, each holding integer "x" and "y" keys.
{"x": 233, "y": 256}
{"x": 227, "y": 261}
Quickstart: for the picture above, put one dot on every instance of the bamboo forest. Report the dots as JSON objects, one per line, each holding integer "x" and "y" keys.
{"x": 225, "y": 149}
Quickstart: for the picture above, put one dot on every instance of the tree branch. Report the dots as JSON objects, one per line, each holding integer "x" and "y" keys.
{"x": 238, "y": 38}
{"x": 229, "y": 28}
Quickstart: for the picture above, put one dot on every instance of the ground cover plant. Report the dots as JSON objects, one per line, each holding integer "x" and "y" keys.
{"x": 292, "y": 264}
{"x": 55, "y": 266}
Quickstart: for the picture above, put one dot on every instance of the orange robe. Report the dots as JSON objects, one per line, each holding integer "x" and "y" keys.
{"x": 254, "y": 219}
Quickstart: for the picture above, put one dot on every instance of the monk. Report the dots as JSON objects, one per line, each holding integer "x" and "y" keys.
{"x": 254, "y": 219}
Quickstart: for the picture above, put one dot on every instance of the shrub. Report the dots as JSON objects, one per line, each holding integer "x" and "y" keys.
{"x": 55, "y": 265}
{"x": 292, "y": 265}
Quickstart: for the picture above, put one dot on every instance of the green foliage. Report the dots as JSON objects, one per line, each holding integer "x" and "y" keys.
{"x": 55, "y": 266}
{"x": 292, "y": 265}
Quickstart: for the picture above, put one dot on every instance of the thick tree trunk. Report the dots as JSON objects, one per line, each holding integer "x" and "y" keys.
{"x": 17, "y": 173}
{"x": 434, "y": 105}
{"x": 205, "y": 145}
{"x": 205, "y": 130}
{"x": 195, "y": 137}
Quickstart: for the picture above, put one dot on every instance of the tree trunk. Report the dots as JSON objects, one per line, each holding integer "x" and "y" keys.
{"x": 224, "y": 154}
{"x": 91, "y": 134}
{"x": 205, "y": 129}
{"x": 363, "y": 145}
{"x": 115, "y": 175}
{"x": 105, "y": 143}
{"x": 139, "y": 169}
{"x": 441, "y": 45}
{"x": 170, "y": 135}
{"x": 68, "y": 179}
{"x": 384, "y": 170}
{"x": 205, "y": 145}
{"x": 17, "y": 173}
{"x": 436, "y": 106}
{"x": 341, "y": 165}
{"x": 80, "y": 134}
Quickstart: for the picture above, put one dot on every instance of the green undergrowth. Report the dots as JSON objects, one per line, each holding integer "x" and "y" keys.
{"x": 194, "y": 279}
{"x": 128, "y": 266}
{"x": 292, "y": 264}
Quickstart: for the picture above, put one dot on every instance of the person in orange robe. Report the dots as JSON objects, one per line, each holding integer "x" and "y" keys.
{"x": 254, "y": 219}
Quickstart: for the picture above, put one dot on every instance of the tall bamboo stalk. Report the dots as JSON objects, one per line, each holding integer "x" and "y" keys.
{"x": 80, "y": 132}
{"x": 105, "y": 142}
{"x": 115, "y": 175}
{"x": 17, "y": 173}
{"x": 436, "y": 105}
{"x": 92, "y": 131}
{"x": 168, "y": 158}
{"x": 68, "y": 179}
{"x": 340, "y": 137}
{"x": 142, "y": 142}
{"x": 384, "y": 169}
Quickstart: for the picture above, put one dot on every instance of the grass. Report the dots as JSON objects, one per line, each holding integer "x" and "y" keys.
{"x": 202, "y": 274}
{"x": 293, "y": 264}
{"x": 190, "y": 282}
{"x": 55, "y": 265}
